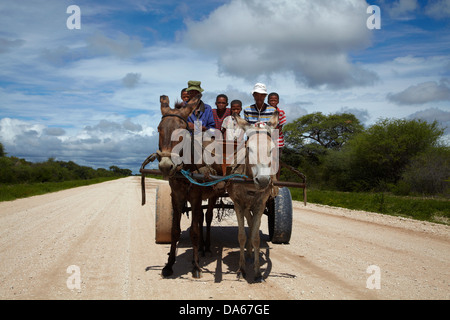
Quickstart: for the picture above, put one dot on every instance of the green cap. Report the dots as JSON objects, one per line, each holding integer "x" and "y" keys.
{"x": 194, "y": 85}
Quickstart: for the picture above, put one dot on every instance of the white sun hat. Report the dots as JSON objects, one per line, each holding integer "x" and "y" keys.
{"x": 259, "y": 88}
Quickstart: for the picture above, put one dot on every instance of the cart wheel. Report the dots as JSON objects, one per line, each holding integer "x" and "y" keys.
{"x": 280, "y": 217}
{"x": 163, "y": 215}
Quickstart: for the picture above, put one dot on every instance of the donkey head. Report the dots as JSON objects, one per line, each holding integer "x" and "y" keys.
{"x": 262, "y": 156}
{"x": 172, "y": 120}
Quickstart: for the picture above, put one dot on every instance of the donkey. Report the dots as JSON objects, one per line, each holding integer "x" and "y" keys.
{"x": 250, "y": 199}
{"x": 181, "y": 189}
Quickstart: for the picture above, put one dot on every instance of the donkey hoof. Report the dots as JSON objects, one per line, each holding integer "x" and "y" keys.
{"x": 196, "y": 273}
{"x": 241, "y": 274}
{"x": 167, "y": 272}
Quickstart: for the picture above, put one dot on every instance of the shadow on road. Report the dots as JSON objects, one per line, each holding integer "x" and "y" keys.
{"x": 224, "y": 259}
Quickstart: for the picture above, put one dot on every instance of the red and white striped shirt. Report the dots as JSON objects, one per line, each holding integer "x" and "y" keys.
{"x": 281, "y": 122}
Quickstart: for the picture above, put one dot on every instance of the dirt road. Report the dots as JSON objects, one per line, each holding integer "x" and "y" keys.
{"x": 97, "y": 242}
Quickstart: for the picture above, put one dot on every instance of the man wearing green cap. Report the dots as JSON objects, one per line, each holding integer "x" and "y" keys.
{"x": 203, "y": 113}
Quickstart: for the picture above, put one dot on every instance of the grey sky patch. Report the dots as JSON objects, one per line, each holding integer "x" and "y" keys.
{"x": 422, "y": 93}
{"x": 434, "y": 114}
{"x": 131, "y": 80}
{"x": 56, "y": 132}
{"x": 361, "y": 114}
{"x": 123, "y": 46}
{"x": 439, "y": 9}
{"x": 8, "y": 45}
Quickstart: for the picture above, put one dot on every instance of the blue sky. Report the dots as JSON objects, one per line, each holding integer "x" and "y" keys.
{"x": 91, "y": 95}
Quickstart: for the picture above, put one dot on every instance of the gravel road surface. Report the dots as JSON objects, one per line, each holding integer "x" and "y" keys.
{"x": 97, "y": 242}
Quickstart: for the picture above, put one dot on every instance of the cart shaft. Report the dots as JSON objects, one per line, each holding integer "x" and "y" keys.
{"x": 236, "y": 180}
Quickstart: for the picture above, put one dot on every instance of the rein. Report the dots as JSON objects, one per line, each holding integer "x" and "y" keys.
{"x": 178, "y": 116}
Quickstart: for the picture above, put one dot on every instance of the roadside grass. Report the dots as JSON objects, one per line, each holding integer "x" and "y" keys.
{"x": 10, "y": 192}
{"x": 425, "y": 209}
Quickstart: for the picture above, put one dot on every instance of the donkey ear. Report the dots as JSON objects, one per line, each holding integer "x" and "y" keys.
{"x": 191, "y": 105}
{"x": 273, "y": 122}
{"x": 241, "y": 122}
{"x": 165, "y": 107}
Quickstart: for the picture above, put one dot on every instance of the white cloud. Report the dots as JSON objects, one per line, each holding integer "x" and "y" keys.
{"x": 361, "y": 114}
{"x": 422, "y": 93}
{"x": 11, "y": 128}
{"x": 434, "y": 114}
{"x": 293, "y": 110}
{"x": 312, "y": 39}
{"x": 438, "y": 9}
{"x": 401, "y": 9}
{"x": 124, "y": 143}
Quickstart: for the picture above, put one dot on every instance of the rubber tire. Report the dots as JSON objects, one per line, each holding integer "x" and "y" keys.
{"x": 280, "y": 217}
{"x": 163, "y": 215}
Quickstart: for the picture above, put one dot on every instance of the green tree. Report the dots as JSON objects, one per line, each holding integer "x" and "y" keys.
{"x": 329, "y": 132}
{"x": 310, "y": 138}
{"x": 313, "y": 134}
{"x": 2, "y": 150}
{"x": 381, "y": 153}
{"x": 6, "y": 173}
{"x": 120, "y": 172}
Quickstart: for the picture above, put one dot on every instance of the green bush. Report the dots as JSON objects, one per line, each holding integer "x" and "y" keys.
{"x": 427, "y": 172}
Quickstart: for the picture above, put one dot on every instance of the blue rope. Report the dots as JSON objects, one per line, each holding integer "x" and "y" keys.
{"x": 187, "y": 174}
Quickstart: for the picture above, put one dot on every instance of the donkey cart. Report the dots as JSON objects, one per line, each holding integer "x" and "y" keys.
{"x": 278, "y": 209}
